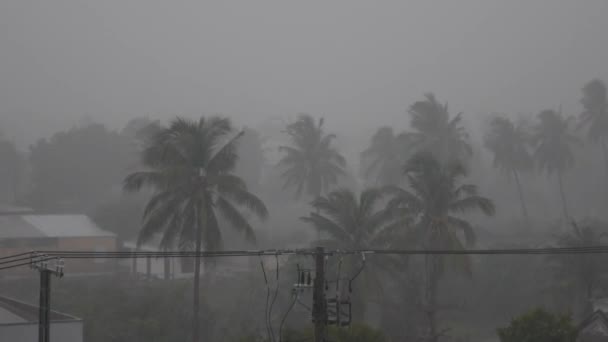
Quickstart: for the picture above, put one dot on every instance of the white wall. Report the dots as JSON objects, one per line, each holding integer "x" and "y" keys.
{"x": 70, "y": 331}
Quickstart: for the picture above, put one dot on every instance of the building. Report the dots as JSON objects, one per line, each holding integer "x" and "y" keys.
{"x": 19, "y": 322}
{"x": 20, "y": 233}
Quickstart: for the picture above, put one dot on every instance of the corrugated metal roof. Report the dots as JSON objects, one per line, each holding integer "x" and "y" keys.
{"x": 14, "y": 226}
{"x": 66, "y": 226}
{"x": 49, "y": 226}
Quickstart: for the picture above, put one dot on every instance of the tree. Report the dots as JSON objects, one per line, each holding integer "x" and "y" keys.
{"x": 384, "y": 158}
{"x": 595, "y": 114}
{"x": 553, "y": 143}
{"x": 581, "y": 274}
{"x": 509, "y": 144}
{"x": 436, "y": 198}
{"x": 436, "y": 132}
{"x": 310, "y": 162}
{"x": 539, "y": 326}
{"x": 190, "y": 165}
{"x": 352, "y": 222}
{"x": 251, "y": 158}
{"x": 75, "y": 169}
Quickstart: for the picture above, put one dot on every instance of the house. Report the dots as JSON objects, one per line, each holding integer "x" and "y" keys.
{"x": 594, "y": 328}
{"x": 19, "y": 322}
{"x": 21, "y": 233}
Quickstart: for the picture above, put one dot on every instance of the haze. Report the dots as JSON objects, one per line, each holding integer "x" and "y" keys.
{"x": 355, "y": 62}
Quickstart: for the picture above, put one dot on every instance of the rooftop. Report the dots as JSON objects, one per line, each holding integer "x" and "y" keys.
{"x": 41, "y": 226}
{"x": 11, "y": 209}
{"x": 13, "y": 311}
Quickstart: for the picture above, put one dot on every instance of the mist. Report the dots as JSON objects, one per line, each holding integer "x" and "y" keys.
{"x": 353, "y": 125}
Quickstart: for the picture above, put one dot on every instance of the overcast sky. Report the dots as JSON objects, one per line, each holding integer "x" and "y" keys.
{"x": 359, "y": 63}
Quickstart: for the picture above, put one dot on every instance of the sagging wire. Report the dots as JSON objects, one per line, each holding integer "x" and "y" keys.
{"x": 293, "y": 303}
{"x": 350, "y": 282}
{"x": 267, "y": 298}
{"x": 274, "y": 299}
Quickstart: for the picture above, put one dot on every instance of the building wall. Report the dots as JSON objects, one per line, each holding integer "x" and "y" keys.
{"x": 28, "y": 332}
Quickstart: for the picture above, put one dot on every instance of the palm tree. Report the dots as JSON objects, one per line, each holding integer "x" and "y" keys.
{"x": 353, "y": 222}
{"x": 595, "y": 114}
{"x": 384, "y": 158}
{"x": 581, "y": 273}
{"x": 189, "y": 165}
{"x": 509, "y": 144}
{"x": 553, "y": 142}
{"x": 436, "y": 132}
{"x": 310, "y": 162}
{"x": 437, "y": 197}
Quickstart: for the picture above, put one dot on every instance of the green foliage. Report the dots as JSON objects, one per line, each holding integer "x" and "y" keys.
{"x": 539, "y": 326}
{"x": 438, "y": 133}
{"x": 310, "y": 162}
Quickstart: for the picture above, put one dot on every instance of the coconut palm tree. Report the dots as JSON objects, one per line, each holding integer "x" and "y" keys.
{"x": 437, "y": 196}
{"x": 354, "y": 222}
{"x": 310, "y": 162}
{"x": 553, "y": 142}
{"x": 509, "y": 144}
{"x": 595, "y": 114}
{"x": 585, "y": 273}
{"x": 189, "y": 166}
{"x": 384, "y": 158}
{"x": 436, "y": 132}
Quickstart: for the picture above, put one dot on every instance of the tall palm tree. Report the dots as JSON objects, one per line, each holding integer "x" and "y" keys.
{"x": 509, "y": 144}
{"x": 310, "y": 161}
{"x": 437, "y": 196}
{"x": 595, "y": 114}
{"x": 189, "y": 166}
{"x": 582, "y": 274}
{"x": 436, "y": 132}
{"x": 384, "y": 158}
{"x": 553, "y": 142}
{"x": 353, "y": 222}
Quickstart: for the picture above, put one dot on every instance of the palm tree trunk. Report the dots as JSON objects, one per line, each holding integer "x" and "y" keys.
{"x": 431, "y": 296}
{"x": 563, "y": 196}
{"x": 197, "y": 275}
{"x": 524, "y": 209}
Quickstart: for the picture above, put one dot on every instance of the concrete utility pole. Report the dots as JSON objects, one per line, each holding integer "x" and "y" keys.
{"x": 319, "y": 310}
{"x": 44, "y": 307}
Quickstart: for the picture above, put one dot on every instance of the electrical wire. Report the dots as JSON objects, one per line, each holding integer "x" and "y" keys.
{"x": 274, "y": 298}
{"x": 267, "y": 299}
{"x": 293, "y": 303}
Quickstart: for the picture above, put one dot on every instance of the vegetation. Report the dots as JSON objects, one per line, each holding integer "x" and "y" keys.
{"x": 190, "y": 166}
{"x": 383, "y": 160}
{"x": 509, "y": 145}
{"x": 539, "y": 326}
{"x": 553, "y": 142}
{"x": 310, "y": 163}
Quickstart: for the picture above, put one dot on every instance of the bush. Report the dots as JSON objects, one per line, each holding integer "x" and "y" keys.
{"x": 539, "y": 326}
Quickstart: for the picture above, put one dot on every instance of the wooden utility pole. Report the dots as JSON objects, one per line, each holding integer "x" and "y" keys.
{"x": 319, "y": 309}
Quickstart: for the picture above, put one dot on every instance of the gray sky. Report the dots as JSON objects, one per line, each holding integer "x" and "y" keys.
{"x": 359, "y": 63}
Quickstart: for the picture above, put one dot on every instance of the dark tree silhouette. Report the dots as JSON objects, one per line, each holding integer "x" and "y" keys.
{"x": 436, "y": 197}
{"x": 553, "y": 142}
{"x": 310, "y": 162}
{"x": 438, "y": 133}
{"x": 383, "y": 160}
{"x": 190, "y": 165}
{"x": 509, "y": 144}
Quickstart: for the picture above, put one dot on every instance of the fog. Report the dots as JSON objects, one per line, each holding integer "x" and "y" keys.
{"x": 355, "y": 62}
{"x": 340, "y": 121}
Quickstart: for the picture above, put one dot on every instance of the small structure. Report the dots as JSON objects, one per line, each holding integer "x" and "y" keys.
{"x": 19, "y": 322}
{"x": 594, "y": 328}
{"x": 22, "y": 233}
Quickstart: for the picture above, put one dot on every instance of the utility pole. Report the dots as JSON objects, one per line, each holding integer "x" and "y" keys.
{"x": 319, "y": 309}
{"x": 44, "y": 308}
